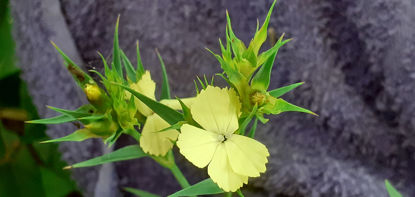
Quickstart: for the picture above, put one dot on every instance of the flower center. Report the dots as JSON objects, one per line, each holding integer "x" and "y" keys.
{"x": 222, "y": 138}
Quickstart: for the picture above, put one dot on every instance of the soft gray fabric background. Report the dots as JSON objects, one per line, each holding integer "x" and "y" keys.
{"x": 356, "y": 58}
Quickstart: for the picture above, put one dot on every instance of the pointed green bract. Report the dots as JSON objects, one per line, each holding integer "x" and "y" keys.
{"x": 281, "y": 105}
{"x": 281, "y": 91}
{"x": 391, "y": 190}
{"x": 261, "y": 35}
{"x": 170, "y": 115}
{"x": 262, "y": 78}
{"x": 129, "y": 69}
{"x": 116, "y": 59}
{"x": 204, "y": 187}
{"x": 165, "y": 88}
{"x": 77, "y": 136}
{"x": 139, "y": 192}
{"x": 77, "y": 73}
{"x": 84, "y": 111}
{"x": 122, "y": 154}
{"x": 140, "y": 67}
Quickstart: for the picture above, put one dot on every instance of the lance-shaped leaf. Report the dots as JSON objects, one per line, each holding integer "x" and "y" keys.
{"x": 77, "y": 73}
{"x": 129, "y": 69}
{"x": 83, "y": 111}
{"x": 238, "y": 47}
{"x": 234, "y": 76}
{"x": 122, "y": 154}
{"x": 139, "y": 192}
{"x": 391, "y": 190}
{"x": 204, "y": 187}
{"x": 262, "y": 78}
{"x": 53, "y": 120}
{"x": 281, "y": 91}
{"x": 116, "y": 59}
{"x": 261, "y": 35}
{"x": 281, "y": 105}
{"x": 77, "y": 136}
{"x": 165, "y": 87}
{"x": 170, "y": 115}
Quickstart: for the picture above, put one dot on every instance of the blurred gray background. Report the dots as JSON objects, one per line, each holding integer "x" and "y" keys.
{"x": 356, "y": 57}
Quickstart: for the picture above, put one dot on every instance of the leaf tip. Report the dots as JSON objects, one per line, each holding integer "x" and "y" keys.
{"x": 67, "y": 167}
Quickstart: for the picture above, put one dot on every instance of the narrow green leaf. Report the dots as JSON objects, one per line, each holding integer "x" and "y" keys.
{"x": 186, "y": 110}
{"x": 129, "y": 69}
{"x": 262, "y": 78}
{"x": 196, "y": 87}
{"x": 251, "y": 133}
{"x": 170, "y": 115}
{"x": 83, "y": 111}
{"x": 239, "y": 192}
{"x": 139, "y": 192}
{"x": 106, "y": 68}
{"x": 93, "y": 117}
{"x": 140, "y": 67}
{"x": 247, "y": 120}
{"x": 165, "y": 88}
{"x": 204, "y": 187}
{"x": 77, "y": 136}
{"x": 116, "y": 59}
{"x": 122, "y": 154}
{"x": 283, "y": 106}
{"x": 391, "y": 190}
{"x": 281, "y": 91}
{"x": 201, "y": 83}
{"x": 176, "y": 126}
{"x": 53, "y": 120}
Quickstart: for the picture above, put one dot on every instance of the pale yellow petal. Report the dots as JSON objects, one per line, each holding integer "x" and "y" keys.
{"x": 175, "y": 104}
{"x": 217, "y": 110}
{"x": 154, "y": 142}
{"x": 197, "y": 145}
{"x": 147, "y": 87}
{"x": 246, "y": 155}
{"x": 221, "y": 172}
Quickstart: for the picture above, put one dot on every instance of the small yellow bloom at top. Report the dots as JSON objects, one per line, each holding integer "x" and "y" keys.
{"x": 93, "y": 93}
{"x": 231, "y": 158}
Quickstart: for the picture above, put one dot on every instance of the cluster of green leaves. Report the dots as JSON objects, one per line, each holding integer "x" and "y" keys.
{"x": 26, "y": 167}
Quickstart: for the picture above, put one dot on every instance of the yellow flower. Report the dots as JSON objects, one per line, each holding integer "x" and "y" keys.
{"x": 232, "y": 158}
{"x": 152, "y": 141}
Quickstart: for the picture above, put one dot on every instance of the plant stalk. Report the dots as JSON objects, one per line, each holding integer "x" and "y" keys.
{"x": 179, "y": 176}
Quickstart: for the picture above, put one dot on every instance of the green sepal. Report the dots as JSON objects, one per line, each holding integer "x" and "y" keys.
{"x": 283, "y": 90}
{"x": 122, "y": 154}
{"x": 204, "y": 187}
{"x": 280, "y": 105}
{"x": 247, "y": 120}
{"x": 170, "y": 115}
{"x": 80, "y": 77}
{"x": 139, "y": 192}
{"x": 165, "y": 88}
{"x": 262, "y": 78}
{"x": 391, "y": 190}
{"x": 116, "y": 59}
{"x": 261, "y": 35}
{"x": 238, "y": 47}
{"x": 129, "y": 69}
{"x": 77, "y": 136}
{"x": 260, "y": 117}
{"x": 252, "y": 131}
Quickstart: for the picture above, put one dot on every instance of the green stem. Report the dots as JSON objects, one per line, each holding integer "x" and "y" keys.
{"x": 179, "y": 176}
{"x": 228, "y": 194}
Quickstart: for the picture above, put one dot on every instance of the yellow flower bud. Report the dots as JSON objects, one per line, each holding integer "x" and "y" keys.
{"x": 258, "y": 98}
{"x": 93, "y": 93}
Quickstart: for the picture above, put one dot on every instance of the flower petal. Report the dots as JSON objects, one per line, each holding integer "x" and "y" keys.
{"x": 217, "y": 110}
{"x": 147, "y": 87}
{"x": 221, "y": 172}
{"x": 197, "y": 145}
{"x": 246, "y": 155}
{"x": 154, "y": 142}
{"x": 175, "y": 104}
